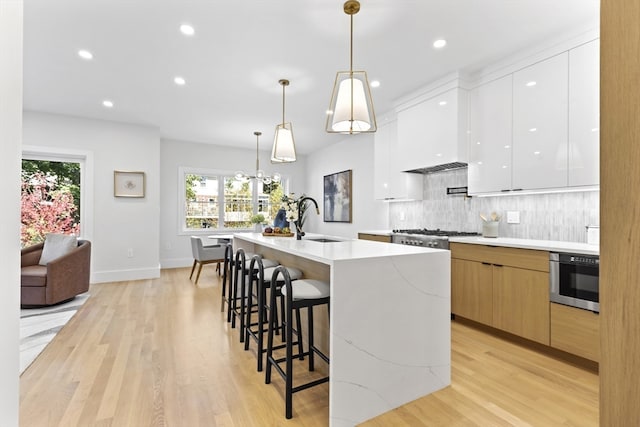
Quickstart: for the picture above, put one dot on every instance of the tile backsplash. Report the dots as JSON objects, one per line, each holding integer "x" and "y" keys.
{"x": 554, "y": 216}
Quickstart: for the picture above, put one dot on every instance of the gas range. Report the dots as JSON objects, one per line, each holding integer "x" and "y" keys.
{"x": 437, "y": 238}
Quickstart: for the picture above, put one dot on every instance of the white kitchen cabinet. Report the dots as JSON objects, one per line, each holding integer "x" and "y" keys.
{"x": 584, "y": 115}
{"x": 389, "y": 182}
{"x": 489, "y": 136}
{"x": 433, "y": 132}
{"x": 540, "y": 125}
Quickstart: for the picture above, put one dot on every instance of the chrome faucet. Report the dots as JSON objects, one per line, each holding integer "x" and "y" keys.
{"x": 302, "y": 203}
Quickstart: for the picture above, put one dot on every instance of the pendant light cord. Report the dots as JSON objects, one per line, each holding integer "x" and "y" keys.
{"x": 351, "y": 73}
{"x": 283, "y": 86}
{"x": 257, "y": 153}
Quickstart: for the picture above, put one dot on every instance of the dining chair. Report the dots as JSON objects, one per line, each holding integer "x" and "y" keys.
{"x": 210, "y": 254}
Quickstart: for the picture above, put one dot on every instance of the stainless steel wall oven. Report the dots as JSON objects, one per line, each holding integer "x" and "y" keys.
{"x": 574, "y": 280}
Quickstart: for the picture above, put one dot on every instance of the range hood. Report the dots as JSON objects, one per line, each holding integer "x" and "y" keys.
{"x": 432, "y": 133}
{"x": 439, "y": 168}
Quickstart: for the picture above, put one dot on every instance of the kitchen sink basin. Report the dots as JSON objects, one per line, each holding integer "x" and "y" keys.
{"x": 324, "y": 240}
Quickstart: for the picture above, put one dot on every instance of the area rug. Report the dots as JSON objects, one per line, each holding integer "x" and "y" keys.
{"x": 38, "y": 326}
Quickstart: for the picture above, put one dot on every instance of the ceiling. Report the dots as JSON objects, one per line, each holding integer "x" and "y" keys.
{"x": 241, "y": 48}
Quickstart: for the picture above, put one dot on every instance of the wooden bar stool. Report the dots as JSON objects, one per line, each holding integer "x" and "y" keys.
{"x": 227, "y": 277}
{"x": 297, "y": 294}
{"x": 261, "y": 277}
{"x": 238, "y": 293}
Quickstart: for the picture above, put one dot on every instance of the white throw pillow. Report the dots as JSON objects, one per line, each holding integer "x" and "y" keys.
{"x": 56, "y": 245}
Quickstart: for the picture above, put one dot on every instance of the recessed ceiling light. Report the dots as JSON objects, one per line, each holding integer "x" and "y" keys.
{"x": 85, "y": 54}
{"x": 478, "y": 143}
{"x": 507, "y": 146}
{"x": 531, "y": 83}
{"x": 594, "y": 130}
{"x": 536, "y": 153}
{"x": 533, "y": 129}
{"x": 375, "y": 83}
{"x": 187, "y": 30}
{"x": 180, "y": 81}
{"x": 107, "y": 103}
{"x": 440, "y": 43}
{"x": 442, "y": 103}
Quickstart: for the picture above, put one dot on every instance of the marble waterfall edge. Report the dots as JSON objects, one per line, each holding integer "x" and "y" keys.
{"x": 394, "y": 319}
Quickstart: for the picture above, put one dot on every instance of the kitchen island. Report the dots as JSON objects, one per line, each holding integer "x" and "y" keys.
{"x": 389, "y": 335}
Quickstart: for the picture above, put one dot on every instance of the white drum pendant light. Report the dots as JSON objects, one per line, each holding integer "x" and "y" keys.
{"x": 351, "y": 107}
{"x": 284, "y": 147}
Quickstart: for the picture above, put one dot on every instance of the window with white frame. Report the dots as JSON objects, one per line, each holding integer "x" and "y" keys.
{"x": 215, "y": 200}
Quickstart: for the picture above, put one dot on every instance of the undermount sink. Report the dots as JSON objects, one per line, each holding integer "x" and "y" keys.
{"x": 323, "y": 240}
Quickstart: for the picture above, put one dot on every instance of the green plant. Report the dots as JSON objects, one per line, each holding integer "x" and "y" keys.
{"x": 257, "y": 219}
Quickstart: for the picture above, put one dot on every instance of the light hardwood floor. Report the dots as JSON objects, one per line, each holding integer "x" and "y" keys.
{"x": 160, "y": 353}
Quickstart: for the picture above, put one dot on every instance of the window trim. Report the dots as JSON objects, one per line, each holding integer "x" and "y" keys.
{"x": 183, "y": 171}
{"x": 85, "y": 159}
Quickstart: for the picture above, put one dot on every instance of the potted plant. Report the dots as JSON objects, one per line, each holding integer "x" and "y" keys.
{"x": 258, "y": 220}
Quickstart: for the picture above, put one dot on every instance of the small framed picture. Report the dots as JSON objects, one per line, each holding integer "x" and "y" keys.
{"x": 337, "y": 197}
{"x": 128, "y": 184}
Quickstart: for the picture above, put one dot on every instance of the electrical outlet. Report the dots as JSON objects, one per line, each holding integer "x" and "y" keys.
{"x": 130, "y": 253}
{"x": 513, "y": 217}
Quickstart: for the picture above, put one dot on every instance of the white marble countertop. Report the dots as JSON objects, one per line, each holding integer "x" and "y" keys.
{"x": 542, "y": 245}
{"x": 328, "y": 252}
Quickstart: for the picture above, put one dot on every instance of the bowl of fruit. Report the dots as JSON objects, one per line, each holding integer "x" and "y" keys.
{"x": 277, "y": 232}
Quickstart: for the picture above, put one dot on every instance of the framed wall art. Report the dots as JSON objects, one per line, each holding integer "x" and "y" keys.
{"x": 337, "y": 197}
{"x": 128, "y": 184}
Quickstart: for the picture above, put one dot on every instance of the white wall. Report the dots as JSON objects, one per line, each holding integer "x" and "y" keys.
{"x": 120, "y": 224}
{"x": 10, "y": 135}
{"x": 356, "y": 153}
{"x": 175, "y": 247}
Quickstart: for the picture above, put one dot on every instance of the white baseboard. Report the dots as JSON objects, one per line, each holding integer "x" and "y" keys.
{"x": 124, "y": 275}
{"x": 176, "y": 262}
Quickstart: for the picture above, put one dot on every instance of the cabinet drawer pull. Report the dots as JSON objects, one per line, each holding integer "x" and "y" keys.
{"x": 498, "y": 265}
{"x": 486, "y": 263}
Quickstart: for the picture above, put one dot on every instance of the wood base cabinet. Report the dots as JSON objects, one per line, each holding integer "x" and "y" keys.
{"x": 505, "y": 288}
{"x": 521, "y": 302}
{"x": 472, "y": 295}
{"x": 575, "y": 331}
{"x": 374, "y": 237}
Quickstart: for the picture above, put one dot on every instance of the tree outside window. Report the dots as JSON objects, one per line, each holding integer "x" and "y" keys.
{"x": 50, "y": 200}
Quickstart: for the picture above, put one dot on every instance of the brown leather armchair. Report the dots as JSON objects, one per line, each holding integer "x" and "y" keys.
{"x": 58, "y": 281}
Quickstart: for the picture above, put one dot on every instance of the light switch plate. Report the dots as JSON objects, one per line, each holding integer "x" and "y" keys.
{"x": 513, "y": 217}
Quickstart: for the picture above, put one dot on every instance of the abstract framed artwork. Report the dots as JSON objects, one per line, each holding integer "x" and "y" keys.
{"x": 128, "y": 184}
{"x": 338, "y": 197}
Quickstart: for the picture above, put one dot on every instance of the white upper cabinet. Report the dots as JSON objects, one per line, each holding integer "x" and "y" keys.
{"x": 389, "y": 182}
{"x": 433, "y": 131}
{"x": 584, "y": 115}
{"x": 540, "y": 125}
{"x": 489, "y": 136}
